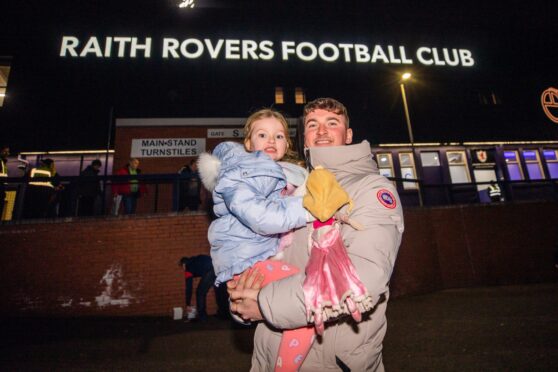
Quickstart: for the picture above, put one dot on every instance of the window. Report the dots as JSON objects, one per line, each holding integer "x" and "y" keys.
{"x": 385, "y": 164}
{"x": 300, "y": 96}
{"x": 514, "y": 168}
{"x": 551, "y": 157}
{"x": 533, "y": 164}
{"x": 459, "y": 171}
{"x": 408, "y": 170}
{"x": 279, "y": 97}
{"x": 4, "y": 74}
{"x": 430, "y": 159}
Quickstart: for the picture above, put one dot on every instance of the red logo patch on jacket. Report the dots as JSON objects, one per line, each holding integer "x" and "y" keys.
{"x": 386, "y": 198}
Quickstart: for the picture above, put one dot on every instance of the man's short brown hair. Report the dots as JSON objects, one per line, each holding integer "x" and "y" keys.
{"x": 328, "y": 104}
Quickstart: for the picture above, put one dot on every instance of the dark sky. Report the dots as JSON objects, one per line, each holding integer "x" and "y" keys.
{"x": 57, "y": 103}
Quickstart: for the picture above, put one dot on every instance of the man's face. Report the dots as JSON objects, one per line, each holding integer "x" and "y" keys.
{"x": 323, "y": 128}
{"x": 134, "y": 164}
{"x": 5, "y": 152}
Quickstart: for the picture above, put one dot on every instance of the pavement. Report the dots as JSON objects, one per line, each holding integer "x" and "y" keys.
{"x": 512, "y": 328}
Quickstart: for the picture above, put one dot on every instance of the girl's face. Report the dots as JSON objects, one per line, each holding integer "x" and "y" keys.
{"x": 268, "y": 136}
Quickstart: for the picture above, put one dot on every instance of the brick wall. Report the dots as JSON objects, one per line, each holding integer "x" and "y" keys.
{"x": 465, "y": 246}
{"x": 128, "y": 265}
{"x": 106, "y": 266}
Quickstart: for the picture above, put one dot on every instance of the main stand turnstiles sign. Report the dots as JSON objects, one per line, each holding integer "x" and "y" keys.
{"x": 263, "y": 50}
{"x": 166, "y": 147}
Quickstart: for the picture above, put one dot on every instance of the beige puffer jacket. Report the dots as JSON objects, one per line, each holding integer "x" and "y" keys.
{"x": 372, "y": 251}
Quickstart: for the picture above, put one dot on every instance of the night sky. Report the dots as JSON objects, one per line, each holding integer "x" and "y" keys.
{"x": 58, "y": 103}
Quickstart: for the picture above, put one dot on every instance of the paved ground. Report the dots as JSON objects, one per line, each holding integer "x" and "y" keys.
{"x": 485, "y": 329}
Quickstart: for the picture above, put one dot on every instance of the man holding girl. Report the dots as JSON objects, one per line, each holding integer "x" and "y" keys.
{"x": 346, "y": 344}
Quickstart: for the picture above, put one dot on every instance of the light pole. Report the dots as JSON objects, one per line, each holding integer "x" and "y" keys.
{"x": 404, "y": 77}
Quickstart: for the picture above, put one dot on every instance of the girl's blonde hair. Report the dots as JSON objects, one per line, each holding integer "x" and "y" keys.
{"x": 264, "y": 114}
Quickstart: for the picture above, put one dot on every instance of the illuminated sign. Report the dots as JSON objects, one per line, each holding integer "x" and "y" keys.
{"x": 549, "y": 102}
{"x": 166, "y": 147}
{"x": 225, "y": 133}
{"x": 234, "y": 133}
{"x": 264, "y": 50}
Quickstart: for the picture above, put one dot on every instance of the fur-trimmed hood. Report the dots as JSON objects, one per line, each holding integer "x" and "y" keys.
{"x": 208, "y": 167}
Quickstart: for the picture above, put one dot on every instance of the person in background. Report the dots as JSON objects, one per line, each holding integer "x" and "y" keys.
{"x": 89, "y": 189}
{"x": 41, "y": 197}
{"x": 4, "y": 153}
{"x": 201, "y": 267}
{"x": 190, "y": 187}
{"x": 494, "y": 192}
{"x": 131, "y": 190}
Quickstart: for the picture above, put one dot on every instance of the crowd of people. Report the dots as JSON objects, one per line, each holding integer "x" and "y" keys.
{"x": 46, "y": 196}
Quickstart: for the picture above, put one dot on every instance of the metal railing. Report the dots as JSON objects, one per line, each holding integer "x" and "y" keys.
{"x": 166, "y": 193}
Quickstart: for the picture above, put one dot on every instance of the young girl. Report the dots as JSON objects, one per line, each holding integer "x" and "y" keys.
{"x": 249, "y": 189}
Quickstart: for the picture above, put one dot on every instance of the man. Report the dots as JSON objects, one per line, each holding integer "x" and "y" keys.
{"x": 201, "y": 267}
{"x": 89, "y": 188}
{"x": 345, "y": 345}
{"x": 494, "y": 192}
{"x": 4, "y": 153}
{"x": 40, "y": 196}
{"x": 132, "y": 189}
{"x": 189, "y": 193}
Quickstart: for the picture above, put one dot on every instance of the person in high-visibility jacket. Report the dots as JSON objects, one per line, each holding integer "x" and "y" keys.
{"x": 4, "y": 153}
{"x": 494, "y": 192}
{"x": 40, "y": 190}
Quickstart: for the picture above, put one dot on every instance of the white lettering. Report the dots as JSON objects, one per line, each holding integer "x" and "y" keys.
{"x": 334, "y": 52}
{"x": 287, "y": 47}
{"x": 121, "y": 41}
{"x": 404, "y": 58}
{"x": 145, "y": 47}
{"x": 214, "y": 51}
{"x": 346, "y": 51}
{"x": 267, "y": 52}
{"x": 437, "y": 60}
{"x": 108, "y": 47}
{"x": 378, "y": 53}
{"x": 421, "y": 58}
{"x": 69, "y": 44}
{"x": 249, "y": 47}
{"x": 306, "y": 45}
{"x": 170, "y": 46}
{"x": 451, "y": 62}
{"x": 92, "y": 46}
{"x": 361, "y": 53}
{"x": 466, "y": 57}
{"x": 391, "y": 53}
{"x": 184, "y": 48}
{"x": 232, "y": 49}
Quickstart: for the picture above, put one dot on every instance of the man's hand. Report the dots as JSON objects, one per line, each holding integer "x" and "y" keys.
{"x": 244, "y": 295}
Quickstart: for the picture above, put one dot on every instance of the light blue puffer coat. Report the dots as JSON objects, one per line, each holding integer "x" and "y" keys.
{"x": 251, "y": 212}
